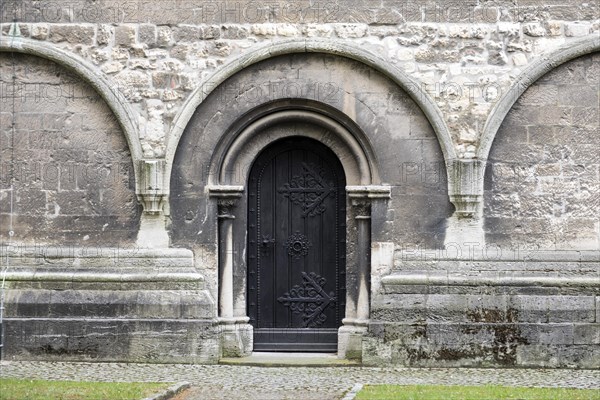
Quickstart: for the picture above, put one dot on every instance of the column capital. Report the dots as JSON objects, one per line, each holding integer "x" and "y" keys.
{"x": 465, "y": 185}
{"x": 152, "y": 190}
{"x": 227, "y": 197}
{"x": 362, "y": 208}
{"x": 225, "y": 207}
{"x": 362, "y": 196}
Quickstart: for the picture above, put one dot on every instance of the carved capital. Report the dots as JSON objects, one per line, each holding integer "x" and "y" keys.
{"x": 361, "y": 198}
{"x": 466, "y": 205}
{"x": 152, "y": 190}
{"x": 225, "y": 207}
{"x": 465, "y": 186}
{"x": 152, "y": 203}
{"x": 227, "y": 198}
{"x": 361, "y": 208}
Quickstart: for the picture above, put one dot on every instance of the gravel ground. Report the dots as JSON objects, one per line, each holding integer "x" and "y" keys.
{"x": 299, "y": 383}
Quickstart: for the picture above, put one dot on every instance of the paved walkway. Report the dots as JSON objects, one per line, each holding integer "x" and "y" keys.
{"x": 298, "y": 383}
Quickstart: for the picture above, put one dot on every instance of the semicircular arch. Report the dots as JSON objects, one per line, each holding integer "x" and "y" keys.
{"x": 110, "y": 94}
{"x": 527, "y": 78}
{"x": 347, "y": 50}
{"x": 238, "y": 149}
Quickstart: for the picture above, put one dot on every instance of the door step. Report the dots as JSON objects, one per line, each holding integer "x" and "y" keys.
{"x": 268, "y": 359}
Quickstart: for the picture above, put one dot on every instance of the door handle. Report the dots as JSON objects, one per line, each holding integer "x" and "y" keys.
{"x": 267, "y": 241}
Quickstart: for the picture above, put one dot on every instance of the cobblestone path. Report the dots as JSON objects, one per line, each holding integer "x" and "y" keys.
{"x": 298, "y": 383}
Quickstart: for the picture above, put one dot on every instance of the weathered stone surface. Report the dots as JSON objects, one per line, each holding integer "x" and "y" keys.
{"x": 210, "y": 32}
{"x": 187, "y": 33}
{"x": 125, "y": 35}
{"x": 519, "y": 59}
{"x": 234, "y": 32}
{"x": 532, "y": 183}
{"x": 65, "y": 193}
{"x": 534, "y": 29}
{"x": 131, "y": 82}
{"x": 350, "y": 31}
{"x": 39, "y": 32}
{"x": 74, "y": 34}
{"x": 112, "y": 67}
{"x": 104, "y": 34}
{"x": 404, "y": 78}
{"x": 586, "y": 334}
{"x": 164, "y": 36}
{"x": 147, "y": 34}
{"x": 113, "y": 340}
{"x": 577, "y": 29}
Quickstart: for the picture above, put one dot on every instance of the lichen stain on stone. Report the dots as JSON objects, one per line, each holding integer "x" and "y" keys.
{"x": 492, "y": 315}
{"x": 89, "y": 351}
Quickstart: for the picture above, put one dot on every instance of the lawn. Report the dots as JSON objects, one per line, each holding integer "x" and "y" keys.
{"x": 381, "y": 392}
{"x": 19, "y": 389}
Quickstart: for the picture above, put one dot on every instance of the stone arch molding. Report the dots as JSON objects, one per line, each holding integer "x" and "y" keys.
{"x": 412, "y": 87}
{"x": 239, "y": 148}
{"x": 528, "y": 77}
{"x": 109, "y": 93}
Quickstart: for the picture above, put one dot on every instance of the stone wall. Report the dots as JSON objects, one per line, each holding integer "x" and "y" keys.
{"x": 150, "y": 95}
{"x": 110, "y": 304}
{"x": 407, "y": 151}
{"x": 64, "y": 154}
{"x": 522, "y": 308}
{"x": 543, "y": 177}
{"x": 466, "y": 55}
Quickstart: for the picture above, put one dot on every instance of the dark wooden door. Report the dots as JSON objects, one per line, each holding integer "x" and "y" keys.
{"x": 296, "y": 247}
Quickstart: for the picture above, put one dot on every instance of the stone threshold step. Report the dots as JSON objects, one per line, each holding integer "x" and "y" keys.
{"x": 272, "y": 359}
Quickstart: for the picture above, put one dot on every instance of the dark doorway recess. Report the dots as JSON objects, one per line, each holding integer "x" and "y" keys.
{"x": 296, "y": 247}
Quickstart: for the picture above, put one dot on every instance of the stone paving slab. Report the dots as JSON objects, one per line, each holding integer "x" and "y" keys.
{"x": 299, "y": 383}
{"x": 270, "y": 359}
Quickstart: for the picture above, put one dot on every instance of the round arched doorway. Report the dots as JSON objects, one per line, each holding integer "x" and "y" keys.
{"x": 306, "y": 128}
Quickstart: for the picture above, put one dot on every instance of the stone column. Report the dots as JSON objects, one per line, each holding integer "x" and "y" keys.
{"x": 152, "y": 191}
{"x": 226, "y": 217}
{"x": 236, "y": 333}
{"x": 363, "y": 224}
{"x": 357, "y": 317}
{"x": 357, "y": 312}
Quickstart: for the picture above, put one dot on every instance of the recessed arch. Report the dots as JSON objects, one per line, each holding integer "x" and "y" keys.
{"x": 348, "y": 50}
{"x": 238, "y": 148}
{"x": 528, "y": 77}
{"x": 110, "y": 94}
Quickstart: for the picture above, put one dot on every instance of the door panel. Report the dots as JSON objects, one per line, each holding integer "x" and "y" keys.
{"x": 296, "y": 247}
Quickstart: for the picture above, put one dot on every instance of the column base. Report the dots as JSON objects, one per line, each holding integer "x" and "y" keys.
{"x": 350, "y": 338}
{"x": 236, "y": 337}
{"x": 462, "y": 232}
{"x": 152, "y": 233}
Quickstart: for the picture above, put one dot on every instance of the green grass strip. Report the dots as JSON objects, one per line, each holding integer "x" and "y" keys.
{"x": 419, "y": 392}
{"x": 19, "y": 389}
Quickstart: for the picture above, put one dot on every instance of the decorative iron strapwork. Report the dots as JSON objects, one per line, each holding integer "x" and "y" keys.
{"x": 297, "y": 245}
{"x": 310, "y": 300}
{"x": 308, "y": 190}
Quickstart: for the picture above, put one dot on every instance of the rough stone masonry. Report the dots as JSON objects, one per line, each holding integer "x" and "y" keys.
{"x": 468, "y": 131}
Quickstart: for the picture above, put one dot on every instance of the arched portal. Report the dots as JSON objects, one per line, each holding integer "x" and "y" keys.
{"x": 316, "y": 141}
